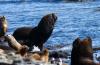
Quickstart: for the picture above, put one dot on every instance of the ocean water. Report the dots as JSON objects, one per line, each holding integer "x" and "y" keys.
{"x": 79, "y": 19}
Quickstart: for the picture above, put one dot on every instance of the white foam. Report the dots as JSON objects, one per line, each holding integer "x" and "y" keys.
{"x": 35, "y": 48}
{"x": 60, "y": 61}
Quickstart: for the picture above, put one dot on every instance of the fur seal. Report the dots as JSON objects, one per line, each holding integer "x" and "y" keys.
{"x": 3, "y": 26}
{"x": 82, "y": 52}
{"x": 41, "y": 56}
{"x": 38, "y": 35}
{"x": 22, "y": 49}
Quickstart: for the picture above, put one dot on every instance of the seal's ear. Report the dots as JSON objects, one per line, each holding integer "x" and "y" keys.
{"x": 89, "y": 39}
{"x": 54, "y": 16}
{"x": 3, "y": 17}
{"x": 76, "y": 42}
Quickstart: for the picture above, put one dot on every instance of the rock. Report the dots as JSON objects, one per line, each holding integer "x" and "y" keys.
{"x": 58, "y": 54}
{"x": 1, "y": 51}
{"x": 6, "y": 64}
{"x": 95, "y": 49}
{"x": 6, "y": 48}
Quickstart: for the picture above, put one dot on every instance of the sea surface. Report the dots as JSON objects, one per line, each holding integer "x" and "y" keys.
{"x": 75, "y": 19}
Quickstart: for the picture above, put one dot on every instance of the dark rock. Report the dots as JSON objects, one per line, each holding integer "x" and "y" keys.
{"x": 97, "y": 48}
{"x": 5, "y": 47}
{"x": 6, "y": 64}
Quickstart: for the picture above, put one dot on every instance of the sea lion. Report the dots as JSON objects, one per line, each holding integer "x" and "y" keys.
{"x": 22, "y": 49}
{"x": 82, "y": 52}
{"x": 41, "y": 56}
{"x": 22, "y": 34}
{"x": 3, "y": 26}
{"x": 38, "y": 35}
{"x": 12, "y": 42}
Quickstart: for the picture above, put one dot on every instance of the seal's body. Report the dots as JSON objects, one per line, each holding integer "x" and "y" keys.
{"x": 3, "y": 26}
{"x": 38, "y": 35}
{"x": 40, "y": 56}
{"x": 22, "y": 33}
{"x": 82, "y": 52}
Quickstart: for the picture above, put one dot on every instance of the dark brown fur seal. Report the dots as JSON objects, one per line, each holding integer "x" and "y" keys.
{"x": 38, "y": 35}
{"x": 3, "y": 26}
{"x": 82, "y": 52}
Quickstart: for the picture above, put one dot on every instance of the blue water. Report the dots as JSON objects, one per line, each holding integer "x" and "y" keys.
{"x": 80, "y": 19}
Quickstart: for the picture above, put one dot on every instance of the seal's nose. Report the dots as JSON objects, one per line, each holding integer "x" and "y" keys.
{"x": 54, "y": 16}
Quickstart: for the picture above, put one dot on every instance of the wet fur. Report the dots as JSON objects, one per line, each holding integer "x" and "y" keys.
{"x": 82, "y": 52}
{"x": 38, "y": 35}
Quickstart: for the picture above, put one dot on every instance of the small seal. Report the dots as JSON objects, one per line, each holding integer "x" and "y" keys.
{"x": 12, "y": 42}
{"x": 22, "y": 49}
{"x": 41, "y": 56}
{"x": 3, "y": 26}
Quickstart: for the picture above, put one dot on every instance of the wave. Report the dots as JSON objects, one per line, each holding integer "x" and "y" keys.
{"x": 21, "y": 1}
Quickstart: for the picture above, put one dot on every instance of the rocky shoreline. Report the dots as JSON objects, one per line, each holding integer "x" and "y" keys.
{"x": 9, "y": 57}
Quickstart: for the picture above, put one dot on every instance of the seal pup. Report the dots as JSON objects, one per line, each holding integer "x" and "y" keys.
{"x": 40, "y": 56}
{"x": 38, "y": 35}
{"x": 22, "y": 49}
{"x": 3, "y": 27}
{"x": 82, "y": 52}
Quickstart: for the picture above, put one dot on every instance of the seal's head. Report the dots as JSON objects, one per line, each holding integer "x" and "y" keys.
{"x": 41, "y": 56}
{"x": 86, "y": 48}
{"x": 23, "y": 50}
{"x": 46, "y": 52}
{"x": 47, "y": 22}
{"x": 83, "y": 47}
{"x": 82, "y": 52}
{"x": 3, "y": 25}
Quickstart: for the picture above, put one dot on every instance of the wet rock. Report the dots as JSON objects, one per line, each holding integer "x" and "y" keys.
{"x": 6, "y": 64}
{"x": 95, "y": 49}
